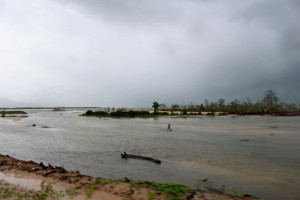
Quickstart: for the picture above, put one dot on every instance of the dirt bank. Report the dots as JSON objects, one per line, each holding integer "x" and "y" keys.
{"x": 29, "y": 180}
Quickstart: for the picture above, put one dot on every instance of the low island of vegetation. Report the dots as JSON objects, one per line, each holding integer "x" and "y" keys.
{"x": 269, "y": 105}
{"x": 124, "y": 113}
{"x": 15, "y": 115}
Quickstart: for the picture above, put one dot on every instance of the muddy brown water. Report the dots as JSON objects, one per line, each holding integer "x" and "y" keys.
{"x": 266, "y": 163}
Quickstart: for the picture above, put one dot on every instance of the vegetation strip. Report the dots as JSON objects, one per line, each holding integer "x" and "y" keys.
{"x": 268, "y": 106}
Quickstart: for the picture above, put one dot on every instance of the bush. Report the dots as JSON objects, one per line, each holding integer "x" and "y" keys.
{"x": 89, "y": 112}
{"x": 100, "y": 113}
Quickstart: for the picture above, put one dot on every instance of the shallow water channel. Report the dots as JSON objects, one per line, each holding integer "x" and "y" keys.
{"x": 266, "y": 164}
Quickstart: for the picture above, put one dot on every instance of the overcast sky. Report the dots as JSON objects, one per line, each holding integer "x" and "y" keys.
{"x": 129, "y": 53}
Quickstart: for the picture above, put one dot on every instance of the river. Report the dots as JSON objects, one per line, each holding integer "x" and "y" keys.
{"x": 266, "y": 163}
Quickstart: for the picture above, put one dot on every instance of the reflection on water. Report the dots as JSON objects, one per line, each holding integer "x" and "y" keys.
{"x": 266, "y": 164}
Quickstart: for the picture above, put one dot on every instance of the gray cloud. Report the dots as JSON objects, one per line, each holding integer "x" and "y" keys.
{"x": 130, "y": 53}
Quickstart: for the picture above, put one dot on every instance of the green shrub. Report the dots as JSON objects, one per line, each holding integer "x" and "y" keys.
{"x": 89, "y": 112}
{"x": 173, "y": 190}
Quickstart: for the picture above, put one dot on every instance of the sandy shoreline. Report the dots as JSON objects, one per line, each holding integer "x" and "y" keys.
{"x": 15, "y": 118}
{"x": 19, "y": 177}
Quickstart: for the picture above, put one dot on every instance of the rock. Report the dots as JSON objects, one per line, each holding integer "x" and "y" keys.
{"x": 43, "y": 166}
{"x": 127, "y": 179}
{"x": 60, "y": 170}
{"x": 190, "y": 195}
{"x": 50, "y": 166}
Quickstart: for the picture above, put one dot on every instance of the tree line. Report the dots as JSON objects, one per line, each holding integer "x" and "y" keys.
{"x": 268, "y": 105}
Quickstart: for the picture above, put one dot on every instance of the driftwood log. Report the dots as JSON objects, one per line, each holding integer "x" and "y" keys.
{"x": 244, "y": 140}
{"x": 126, "y": 155}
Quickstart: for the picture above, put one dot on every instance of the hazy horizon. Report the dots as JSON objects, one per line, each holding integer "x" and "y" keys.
{"x": 131, "y": 53}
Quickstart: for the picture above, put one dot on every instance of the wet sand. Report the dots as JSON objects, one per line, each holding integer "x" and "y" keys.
{"x": 15, "y": 118}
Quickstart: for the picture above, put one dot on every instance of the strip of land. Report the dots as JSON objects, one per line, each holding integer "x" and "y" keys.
{"x": 29, "y": 180}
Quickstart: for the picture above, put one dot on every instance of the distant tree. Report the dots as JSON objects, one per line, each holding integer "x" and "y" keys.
{"x": 201, "y": 107}
{"x": 182, "y": 106}
{"x": 175, "y": 107}
{"x": 155, "y": 106}
{"x": 236, "y": 101}
{"x": 184, "y": 111}
{"x": 270, "y": 98}
{"x": 191, "y": 107}
{"x": 163, "y": 106}
{"x": 234, "y": 106}
{"x": 248, "y": 100}
{"x": 212, "y": 108}
{"x": 206, "y": 103}
{"x": 221, "y": 102}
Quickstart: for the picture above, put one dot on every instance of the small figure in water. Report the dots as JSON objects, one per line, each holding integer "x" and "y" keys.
{"x": 169, "y": 127}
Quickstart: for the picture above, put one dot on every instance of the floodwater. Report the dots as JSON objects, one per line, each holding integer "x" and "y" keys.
{"x": 266, "y": 164}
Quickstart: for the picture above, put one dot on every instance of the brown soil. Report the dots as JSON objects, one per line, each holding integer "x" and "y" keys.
{"x": 28, "y": 175}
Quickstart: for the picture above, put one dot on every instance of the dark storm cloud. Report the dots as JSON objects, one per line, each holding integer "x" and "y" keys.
{"x": 256, "y": 48}
{"x": 132, "y": 11}
{"x": 130, "y": 53}
{"x": 281, "y": 17}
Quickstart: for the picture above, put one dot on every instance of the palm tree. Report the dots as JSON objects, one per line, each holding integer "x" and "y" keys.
{"x": 155, "y": 106}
